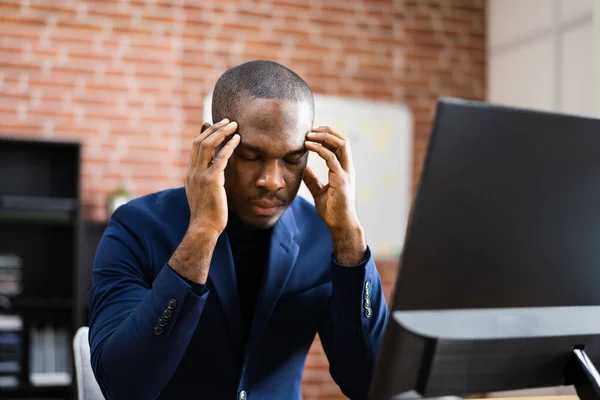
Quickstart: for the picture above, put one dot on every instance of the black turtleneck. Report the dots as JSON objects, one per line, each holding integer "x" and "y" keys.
{"x": 250, "y": 250}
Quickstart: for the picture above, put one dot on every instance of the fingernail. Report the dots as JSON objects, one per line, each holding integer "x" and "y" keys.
{"x": 312, "y": 134}
{"x": 223, "y": 120}
{"x": 231, "y": 123}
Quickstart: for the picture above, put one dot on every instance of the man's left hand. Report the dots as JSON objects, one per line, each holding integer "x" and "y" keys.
{"x": 335, "y": 201}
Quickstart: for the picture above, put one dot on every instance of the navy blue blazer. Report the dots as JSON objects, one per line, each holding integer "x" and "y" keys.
{"x": 152, "y": 336}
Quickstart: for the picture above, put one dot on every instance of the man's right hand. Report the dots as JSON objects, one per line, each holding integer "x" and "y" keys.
{"x": 204, "y": 187}
{"x": 205, "y": 177}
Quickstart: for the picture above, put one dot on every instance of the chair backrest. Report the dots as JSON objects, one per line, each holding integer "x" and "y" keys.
{"x": 87, "y": 387}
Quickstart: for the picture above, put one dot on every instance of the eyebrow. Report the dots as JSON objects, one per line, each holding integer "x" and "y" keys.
{"x": 255, "y": 149}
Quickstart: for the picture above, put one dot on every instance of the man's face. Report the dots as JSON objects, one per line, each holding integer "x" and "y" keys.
{"x": 264, "y": 173}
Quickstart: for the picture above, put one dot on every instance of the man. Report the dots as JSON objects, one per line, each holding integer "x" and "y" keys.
{"x": 217, "y": 290}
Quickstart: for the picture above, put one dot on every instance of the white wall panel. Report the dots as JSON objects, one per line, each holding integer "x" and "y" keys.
{"x": 576, "y": 71}
{"x": 544, "y": 54}
{"x": 574, "y": 9}
{"x": 510, "y": 20}
{"x": 524, "y": 76}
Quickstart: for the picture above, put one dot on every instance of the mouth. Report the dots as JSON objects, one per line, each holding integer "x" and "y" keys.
{"x": 265, "y": 208}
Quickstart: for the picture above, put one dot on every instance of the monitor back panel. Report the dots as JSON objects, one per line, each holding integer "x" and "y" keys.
{"x": 507, "y": 213}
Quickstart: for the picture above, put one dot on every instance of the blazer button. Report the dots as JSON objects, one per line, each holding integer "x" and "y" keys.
{"x": 167, "y": 313}
{"x": 368, "y": 312}
{"x": 367, "y": 303}
{"x": 366, "y": 286}
{"x": 162, "y": 322}
{"x": 158, "y": 330}
{"x": 172, "y": 304}
{"x": 367, "y": 295}
{"x": 242, "y": 395}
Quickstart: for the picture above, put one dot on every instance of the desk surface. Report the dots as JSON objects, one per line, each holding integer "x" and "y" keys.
{"x": 535, "y": 398}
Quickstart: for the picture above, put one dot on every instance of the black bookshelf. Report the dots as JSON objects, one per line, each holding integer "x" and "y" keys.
{"x": 40, "y": 223}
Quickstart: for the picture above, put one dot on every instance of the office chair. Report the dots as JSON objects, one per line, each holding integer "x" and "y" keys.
{"x": 87, "y": 387}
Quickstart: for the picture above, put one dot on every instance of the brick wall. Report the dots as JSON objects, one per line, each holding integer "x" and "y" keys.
{"x": 128, "y": 77}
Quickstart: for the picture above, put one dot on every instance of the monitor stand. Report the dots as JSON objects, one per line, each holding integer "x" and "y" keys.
{"x": 581, "y": 372}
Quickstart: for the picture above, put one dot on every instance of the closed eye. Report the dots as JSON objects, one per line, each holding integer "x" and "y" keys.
{"x": 248, "y": 156}
{"x": 294, "y": 162}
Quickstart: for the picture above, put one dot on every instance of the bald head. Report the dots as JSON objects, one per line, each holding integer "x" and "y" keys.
{"x": 257, "y": 80}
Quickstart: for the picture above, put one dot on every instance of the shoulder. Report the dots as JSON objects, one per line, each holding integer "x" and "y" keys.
{"x": 165, "y": 209}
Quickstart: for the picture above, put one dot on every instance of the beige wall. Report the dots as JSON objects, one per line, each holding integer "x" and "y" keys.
{"x": 127, "y": 79}
{"x": 541, "y": 54}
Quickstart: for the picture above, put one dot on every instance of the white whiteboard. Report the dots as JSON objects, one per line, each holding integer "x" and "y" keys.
{"x": 380, "y": 134}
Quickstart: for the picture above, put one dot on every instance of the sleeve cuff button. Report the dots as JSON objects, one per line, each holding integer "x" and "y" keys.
{"x": 158, "y": 330}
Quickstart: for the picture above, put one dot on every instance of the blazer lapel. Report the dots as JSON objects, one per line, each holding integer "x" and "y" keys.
{"x": 222, "y": 277}
{"x": 282, "y": 258}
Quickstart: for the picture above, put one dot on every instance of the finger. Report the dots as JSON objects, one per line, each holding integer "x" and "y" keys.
{"x": 220, "y": 161}
{"x": 336, "y": 142}
{"x": 341, "y": 147}
{"x": 194, "y": 152}
{"x": 329, "y": 130}
{"x": 312, "y": 181}
{"x": 204, "y": 131}
{"x": 330, "y": 158}
{"x": 208, "y": 145}
{"x": 211, "y": 129}
{"x": 330, "y": 141}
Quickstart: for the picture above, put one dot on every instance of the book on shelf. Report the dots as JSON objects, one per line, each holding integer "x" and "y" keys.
{"x": 11, "y": 323}
{"x": 11, "y": 274}
{"x": 10, "y": 261}
{"x": 11, "y": 350}
{"x": 49, "y": 357}
{"x": 9, "y": 381}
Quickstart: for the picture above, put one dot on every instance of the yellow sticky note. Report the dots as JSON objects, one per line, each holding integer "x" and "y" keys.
{"x": 390, "y": 178}
{"x": 387, "y": 128}
{"x": 366, "y": 128}
{"x": 381, "y": 142}
{"x": 384, "y": 249}
{"x": 365, "y": 193}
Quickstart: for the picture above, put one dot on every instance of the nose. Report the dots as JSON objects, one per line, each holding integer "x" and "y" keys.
{"x": 271, "y": 177}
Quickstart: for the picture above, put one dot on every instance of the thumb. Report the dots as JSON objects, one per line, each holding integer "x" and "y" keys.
{"x": 312, "y": 182}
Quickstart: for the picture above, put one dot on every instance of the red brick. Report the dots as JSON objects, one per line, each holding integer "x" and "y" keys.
{"x": 340, "y": 47}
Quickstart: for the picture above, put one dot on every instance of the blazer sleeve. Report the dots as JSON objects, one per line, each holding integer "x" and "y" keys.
{"x": 139, "y": 328}
{"x": 353, "y": 326}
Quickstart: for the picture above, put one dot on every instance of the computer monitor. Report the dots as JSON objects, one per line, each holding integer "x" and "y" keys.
{"x": 499, "y": 281}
